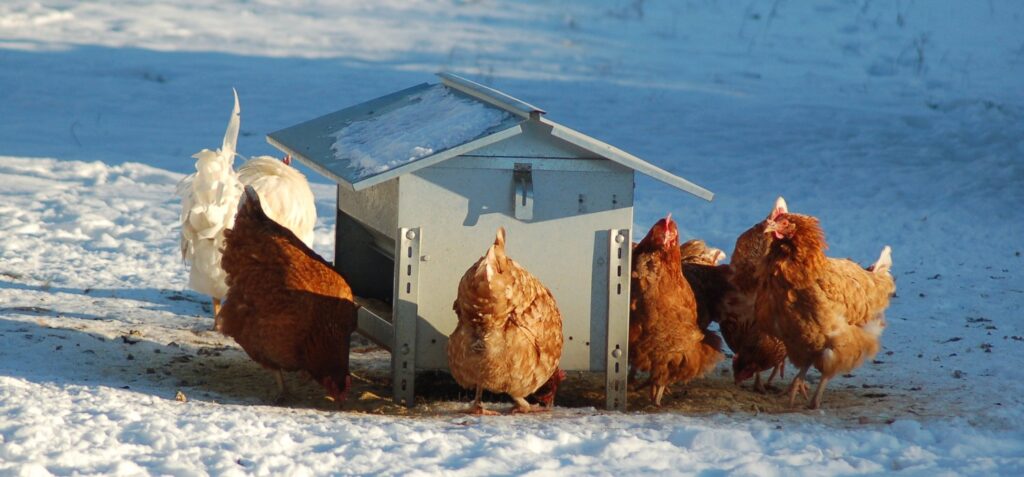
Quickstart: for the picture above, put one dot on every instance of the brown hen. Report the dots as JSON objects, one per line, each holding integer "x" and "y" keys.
{"x": 829, "y": 312}
{"x": 753, "y": 342}
{"x": 725, "y": 294}
{"x": 286, "y": 306}
{"x": 664, "y": 337}
{"x": 509, "y": 335}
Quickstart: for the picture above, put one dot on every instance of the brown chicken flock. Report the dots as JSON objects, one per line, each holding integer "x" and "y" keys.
{"x": 780, "y": 297}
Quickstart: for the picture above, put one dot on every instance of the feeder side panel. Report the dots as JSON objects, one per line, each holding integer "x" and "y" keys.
{"x": 375, "y": 207}
{"x": 461, "y": 203}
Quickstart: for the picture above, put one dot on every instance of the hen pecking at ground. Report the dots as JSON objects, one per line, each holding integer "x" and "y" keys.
{"x": 286, "y": 306}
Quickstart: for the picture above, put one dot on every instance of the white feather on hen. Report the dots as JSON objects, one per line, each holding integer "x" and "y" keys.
{"x": 210, "y": 199}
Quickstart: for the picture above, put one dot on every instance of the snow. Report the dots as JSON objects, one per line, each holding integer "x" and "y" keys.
{"x": 433, "y": 121}
{"x": 896, "y": 123}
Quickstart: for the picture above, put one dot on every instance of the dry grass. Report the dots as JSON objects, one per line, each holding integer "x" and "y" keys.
{"x": 226, "y": 375}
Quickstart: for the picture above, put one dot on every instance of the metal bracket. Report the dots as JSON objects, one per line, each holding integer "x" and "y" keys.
{"x": 617, "y": 350}
{"x": 406, "y": 315}
{"x": 522, "y": 176}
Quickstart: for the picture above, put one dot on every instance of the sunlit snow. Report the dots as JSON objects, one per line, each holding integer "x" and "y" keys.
{"x": 434, "y": 120}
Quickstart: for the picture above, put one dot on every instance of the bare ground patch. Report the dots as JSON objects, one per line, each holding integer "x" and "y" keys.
{"x": 225, "y": 374}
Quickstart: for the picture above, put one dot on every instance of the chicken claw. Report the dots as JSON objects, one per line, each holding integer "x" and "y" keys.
{"x": 799, "y": 385}
{"x": 477, "y": 409}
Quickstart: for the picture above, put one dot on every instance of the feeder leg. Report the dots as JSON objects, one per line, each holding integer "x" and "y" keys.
{"x": 617, "y": 347}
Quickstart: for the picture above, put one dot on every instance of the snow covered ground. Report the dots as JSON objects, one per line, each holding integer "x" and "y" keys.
{"x": 898, "y": 123}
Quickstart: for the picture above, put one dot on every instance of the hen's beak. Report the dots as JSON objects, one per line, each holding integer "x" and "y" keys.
{"x": 772, "y": 228}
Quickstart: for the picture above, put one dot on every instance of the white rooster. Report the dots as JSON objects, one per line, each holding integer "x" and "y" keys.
{"x": 210, "y": 200}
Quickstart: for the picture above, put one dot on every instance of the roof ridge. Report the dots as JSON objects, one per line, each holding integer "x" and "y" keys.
{"x": 490, "y": 95}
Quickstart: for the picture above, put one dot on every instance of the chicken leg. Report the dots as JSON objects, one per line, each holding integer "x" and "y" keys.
{"x": 799, "y": 385}
{"x": 216, "y": 314}
{"x": 764, "y": 387}
{"x": 282, "y": 389}
{"x": 478, "y": 406}
{"x": 818, "y": 393}
{"x": 779, "y": 369}
{"x": 657, "y": 391}
{"x": 758, "y": 385}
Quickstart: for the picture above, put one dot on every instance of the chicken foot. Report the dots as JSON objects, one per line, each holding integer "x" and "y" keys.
{"x": 524, "y": 407}
{"x": 799, "y": 385}
{"x": 477, "y": 407}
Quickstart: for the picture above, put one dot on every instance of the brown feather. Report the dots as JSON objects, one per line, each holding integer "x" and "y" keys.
{"x": 829, "y": 312}
{"x": 752, "y": 340}
{"x": 664, "y": 337}
{"x": 509, "y": 335}
{"x": 725, "y": 294}
{"x": 286, "y": 306}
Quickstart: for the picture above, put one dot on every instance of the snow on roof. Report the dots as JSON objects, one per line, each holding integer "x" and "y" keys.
{"x": 434, "y": 120}
{"x": 381, "y": 139}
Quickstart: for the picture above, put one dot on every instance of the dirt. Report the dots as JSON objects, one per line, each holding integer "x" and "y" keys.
{"x": 224, "y": 374}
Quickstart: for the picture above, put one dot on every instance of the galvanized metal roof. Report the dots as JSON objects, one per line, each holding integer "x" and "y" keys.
{"x": 378, "y": 140}
{"x": 396, "y": 134}
{"x": 624, "y": 158}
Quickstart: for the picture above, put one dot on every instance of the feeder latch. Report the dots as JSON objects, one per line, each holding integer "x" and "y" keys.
{"x": 522, "y": 176}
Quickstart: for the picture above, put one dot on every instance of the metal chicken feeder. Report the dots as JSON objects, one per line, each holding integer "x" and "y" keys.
{"x": 427, "y": 174}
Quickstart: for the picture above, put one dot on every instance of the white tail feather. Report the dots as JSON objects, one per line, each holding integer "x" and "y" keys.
{"x": 231, "y": 134}
{"x": 884, "y": 262}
